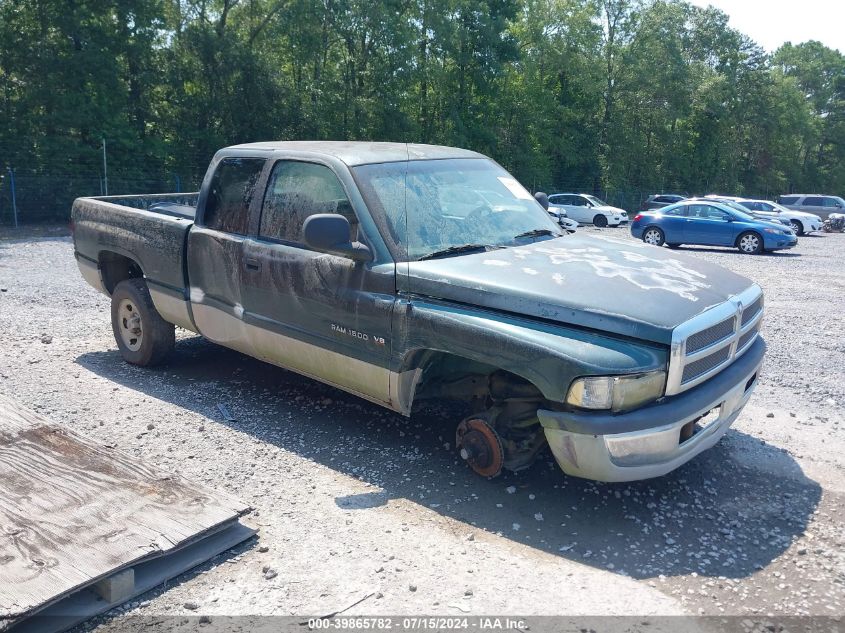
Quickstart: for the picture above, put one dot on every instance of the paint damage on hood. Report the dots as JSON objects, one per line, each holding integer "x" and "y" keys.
{"x": 598, "y": 282}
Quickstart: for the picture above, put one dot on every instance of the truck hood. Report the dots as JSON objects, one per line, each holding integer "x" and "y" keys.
{"x": 598, "y": 282}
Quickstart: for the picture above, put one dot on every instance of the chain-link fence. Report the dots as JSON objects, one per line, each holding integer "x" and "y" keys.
{"x": 41, "y": 198}
{"x": 47, "y": 197}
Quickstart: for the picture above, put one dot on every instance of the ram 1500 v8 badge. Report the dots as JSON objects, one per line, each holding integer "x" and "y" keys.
{"x": 403, "y": 272}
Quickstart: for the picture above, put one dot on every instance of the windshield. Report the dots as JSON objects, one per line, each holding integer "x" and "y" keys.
{"x": 429, "y": 206}
{"x": 596, "y": 201}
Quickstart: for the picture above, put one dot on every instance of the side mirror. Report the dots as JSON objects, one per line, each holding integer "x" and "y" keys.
{"x": 543, "y": 199}
{"x": 329, "y": 233}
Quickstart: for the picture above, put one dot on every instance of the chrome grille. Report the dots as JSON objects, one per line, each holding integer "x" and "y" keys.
{"x": 711, "y": 335}
{"x": 751, "y": 311}
{"x": 746, "y": 338}
{"x": 705, "y": 345}
{"x": 703, "y": 365}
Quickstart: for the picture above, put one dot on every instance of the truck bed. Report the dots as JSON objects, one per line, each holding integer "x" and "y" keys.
{"x": 150, "y": 230}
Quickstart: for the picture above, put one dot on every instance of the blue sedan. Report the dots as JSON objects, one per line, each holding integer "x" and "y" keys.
{"x": 710, "y": 223}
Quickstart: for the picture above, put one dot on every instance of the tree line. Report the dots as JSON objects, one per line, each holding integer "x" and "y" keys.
{"x": 600, "y": 95}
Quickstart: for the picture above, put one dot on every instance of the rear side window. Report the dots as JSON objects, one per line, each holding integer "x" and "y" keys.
{"x": 675, "y": 211}
{"x": 812, "y": 202}
{"x": 231, "y": 192}
{"x": 297, "y": 190}
{"x": 788, "y": 199}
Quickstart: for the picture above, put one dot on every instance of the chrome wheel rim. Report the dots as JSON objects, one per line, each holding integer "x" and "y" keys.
{"x": 749, "y": 243}
{"x": 652, "y": 237}
{"x": 129, "y": 325}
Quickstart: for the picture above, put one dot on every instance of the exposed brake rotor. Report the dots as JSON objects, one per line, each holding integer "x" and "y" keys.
{"x": 480, "y": 446}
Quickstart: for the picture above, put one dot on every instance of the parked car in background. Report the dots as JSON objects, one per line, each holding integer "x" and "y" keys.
{"x": 558, "y": 214}
{"x": 587, "y": 209}
{"x": 820, "y": 205}
{"x": 801, "y": 222}
{"x": 736, "y": 203}
{"x": 710, "y": 223}
{"x": 660, "y": 200}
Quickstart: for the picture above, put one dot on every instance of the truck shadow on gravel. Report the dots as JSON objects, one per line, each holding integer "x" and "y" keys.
{"x": 714, "y": 516}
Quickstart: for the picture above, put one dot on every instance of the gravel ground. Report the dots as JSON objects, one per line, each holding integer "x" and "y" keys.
{"x": 352, "y": 501}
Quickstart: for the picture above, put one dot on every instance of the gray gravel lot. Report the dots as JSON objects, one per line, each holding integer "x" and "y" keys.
{"x": 354, "y": 501}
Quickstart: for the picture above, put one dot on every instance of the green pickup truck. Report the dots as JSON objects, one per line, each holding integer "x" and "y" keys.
{"x": 402, "y": 272}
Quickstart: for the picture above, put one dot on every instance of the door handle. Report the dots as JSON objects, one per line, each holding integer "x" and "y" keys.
{"x": 252, "y": 264}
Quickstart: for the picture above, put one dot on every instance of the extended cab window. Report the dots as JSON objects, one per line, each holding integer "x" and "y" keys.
{"x": 230, "y": 194}
{"x": 297, "y": 190}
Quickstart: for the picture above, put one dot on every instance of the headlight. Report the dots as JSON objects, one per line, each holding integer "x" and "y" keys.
{"x": 617, "y": 393}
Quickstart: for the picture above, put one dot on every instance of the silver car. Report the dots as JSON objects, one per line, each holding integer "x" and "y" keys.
{"x": 817, "y": 204}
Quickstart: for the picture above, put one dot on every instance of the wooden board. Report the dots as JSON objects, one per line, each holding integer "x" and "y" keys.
{"x": 73, "y": 512}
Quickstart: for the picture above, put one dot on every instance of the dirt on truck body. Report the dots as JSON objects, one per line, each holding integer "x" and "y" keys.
{"x": 404, "y": 272}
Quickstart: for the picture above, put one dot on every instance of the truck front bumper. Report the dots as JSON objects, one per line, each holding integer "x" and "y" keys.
{"x": 598, "y": 446}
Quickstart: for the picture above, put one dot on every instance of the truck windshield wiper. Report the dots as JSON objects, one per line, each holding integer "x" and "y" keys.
{"x": 462, "y": 248}
{"x": 537, "y": 233}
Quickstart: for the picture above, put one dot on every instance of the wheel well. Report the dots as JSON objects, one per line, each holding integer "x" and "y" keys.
{"x": 115, "y": 268}
{"x": 448, "y": 376}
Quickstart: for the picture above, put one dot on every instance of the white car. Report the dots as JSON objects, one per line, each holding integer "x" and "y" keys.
{"x": 559, "y": 215}
{"x": 587, "y": 209}
{"x": 801, "y": 221}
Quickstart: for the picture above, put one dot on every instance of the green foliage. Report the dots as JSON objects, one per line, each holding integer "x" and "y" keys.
{"x": 604, "y": 95}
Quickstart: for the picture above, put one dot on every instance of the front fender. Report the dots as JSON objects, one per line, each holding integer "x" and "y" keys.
{"x": 548, "y": 355}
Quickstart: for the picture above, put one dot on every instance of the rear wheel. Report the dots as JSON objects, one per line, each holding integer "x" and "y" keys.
{"x": 600, "y": 221}
{"x": 797, "y": 227}
{"x": 142, "y": 336}
{"x": 654, "y": 236}
{"x": 750, "y": 243}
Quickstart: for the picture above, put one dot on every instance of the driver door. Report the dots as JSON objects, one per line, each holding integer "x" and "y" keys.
{"x": 322, "y": 315}
{"x": 709, "y": 225}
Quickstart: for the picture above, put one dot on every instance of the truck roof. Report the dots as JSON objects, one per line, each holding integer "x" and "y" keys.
{"x": 362, "y": 152}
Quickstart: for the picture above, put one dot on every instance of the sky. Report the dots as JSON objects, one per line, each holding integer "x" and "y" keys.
{"x": 772, "y": 22}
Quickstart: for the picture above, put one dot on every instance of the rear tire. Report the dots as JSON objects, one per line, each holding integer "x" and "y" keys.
{"x": 654, "y": 236}
{"x": 750, "y": 243}
{"x": 142, "y": 336}
{"x": 600, "y": 221}
{"x": 798, "y": 227}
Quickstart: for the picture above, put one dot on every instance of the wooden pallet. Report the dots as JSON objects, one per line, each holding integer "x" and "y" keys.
{"x": 79, "y": 518}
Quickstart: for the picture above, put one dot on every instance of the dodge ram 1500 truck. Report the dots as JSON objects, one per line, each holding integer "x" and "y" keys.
{"x": 401, "y": 272}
